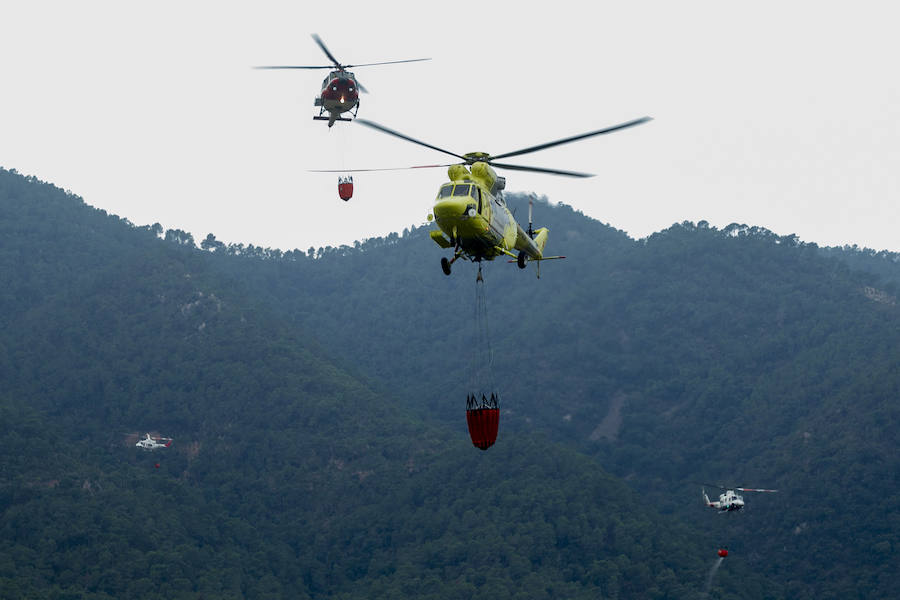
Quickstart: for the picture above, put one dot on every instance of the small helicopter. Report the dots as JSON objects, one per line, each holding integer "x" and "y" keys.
{"x": 340, "y": 89}
{"x": 152, "y": 443}
{"x": 470, "y": 212}
{"x": 729, "y": 500}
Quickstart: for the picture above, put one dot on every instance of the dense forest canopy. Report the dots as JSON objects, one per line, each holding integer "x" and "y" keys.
{"x": 316, "y": 399}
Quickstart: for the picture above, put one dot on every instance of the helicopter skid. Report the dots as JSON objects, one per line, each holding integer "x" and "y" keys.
{"x": 317, "y": 118}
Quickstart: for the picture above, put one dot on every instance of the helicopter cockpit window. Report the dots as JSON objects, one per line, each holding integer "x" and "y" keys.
{"x": 462, "y": 190}
{"x": 446, "y": 191}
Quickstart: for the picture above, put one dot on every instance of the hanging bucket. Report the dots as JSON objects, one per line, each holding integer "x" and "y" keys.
{"x": 483, "y": 419}
{"x": 345, "y": 188}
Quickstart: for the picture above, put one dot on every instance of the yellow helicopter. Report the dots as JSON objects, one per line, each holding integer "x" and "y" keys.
{"x": 470, "y": 212}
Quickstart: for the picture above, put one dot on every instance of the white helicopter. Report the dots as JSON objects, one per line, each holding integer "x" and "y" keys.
{"x": 729, "y": 500}
{"x": 152, "y": 443}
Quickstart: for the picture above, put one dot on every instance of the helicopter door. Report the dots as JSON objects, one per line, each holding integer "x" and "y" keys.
{"x": 484, "y": 204}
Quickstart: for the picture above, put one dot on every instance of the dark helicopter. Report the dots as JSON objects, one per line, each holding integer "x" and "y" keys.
{"x": 340, "y": 89}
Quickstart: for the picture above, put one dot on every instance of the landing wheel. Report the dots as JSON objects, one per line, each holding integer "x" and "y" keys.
{"x": 445, "y": 265}
{"x": 521, "y": 260}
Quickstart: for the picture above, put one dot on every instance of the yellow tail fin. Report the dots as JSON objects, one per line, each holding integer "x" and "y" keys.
{"x": 540, "y": 238}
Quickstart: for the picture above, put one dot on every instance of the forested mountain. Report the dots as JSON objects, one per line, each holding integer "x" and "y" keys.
{"x": 299, "y": 470}
{"x": 733, "y": 356}
{"x": 317, "y": 403}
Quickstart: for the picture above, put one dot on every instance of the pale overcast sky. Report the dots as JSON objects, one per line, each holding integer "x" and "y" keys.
{"x": 779, "y": 114}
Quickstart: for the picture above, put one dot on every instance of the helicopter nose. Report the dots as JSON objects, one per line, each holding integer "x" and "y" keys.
{"x": 451, "y": 208}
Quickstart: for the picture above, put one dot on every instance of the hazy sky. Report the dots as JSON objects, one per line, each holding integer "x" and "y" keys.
{"x": 779, "y": 114}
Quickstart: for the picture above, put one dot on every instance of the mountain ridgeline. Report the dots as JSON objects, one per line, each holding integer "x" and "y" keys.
{"x": 317, "y": 404}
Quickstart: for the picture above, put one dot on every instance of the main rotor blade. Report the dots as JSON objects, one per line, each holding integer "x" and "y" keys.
{"x": 361, "y": 87}
{"x": 325, "y": 50}
{"x": 390, "y": 62}
{"x": 754, "y": 490}
{"x": 294, "y": 67}
{"x": 540, "y": 170}
{"x": 373, "y": 170}
{"x": 715, "y": 485}
{"x": 575, "y": 138}
{"x": 384, "y": 129}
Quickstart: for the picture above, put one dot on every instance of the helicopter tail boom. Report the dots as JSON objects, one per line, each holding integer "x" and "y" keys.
{"x": 532, "y": 246}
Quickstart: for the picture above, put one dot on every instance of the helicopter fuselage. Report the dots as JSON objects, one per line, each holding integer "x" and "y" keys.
{"x": 727, "y": 502}
{"x": 471, "y": 212}
{"x": 339, "y": 93}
